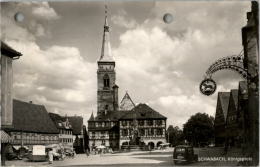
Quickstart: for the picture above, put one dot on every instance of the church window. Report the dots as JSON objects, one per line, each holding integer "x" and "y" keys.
{"x": 106, "y": 81}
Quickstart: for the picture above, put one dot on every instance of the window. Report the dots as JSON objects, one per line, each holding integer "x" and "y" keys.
{"x": 159, "y": 132}
{"x": 159, "y": 122}
{"x": 152, "y": 132}
{"x": 106, "y": 81}
{"x": 142, "y": 132}
{"x": 141, "y": 122}
{"x": 124, "y": 123}
{"x": 150, "y": 122}
{"x": 124, "y": 132}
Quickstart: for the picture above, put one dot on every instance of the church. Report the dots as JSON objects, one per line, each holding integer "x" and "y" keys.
{"x": 126, "y": 124}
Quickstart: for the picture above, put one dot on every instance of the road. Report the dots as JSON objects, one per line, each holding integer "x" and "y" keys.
{"x": 137, "y": 158}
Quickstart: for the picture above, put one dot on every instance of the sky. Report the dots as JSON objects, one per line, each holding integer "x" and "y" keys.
{"x": 159, "y": 64}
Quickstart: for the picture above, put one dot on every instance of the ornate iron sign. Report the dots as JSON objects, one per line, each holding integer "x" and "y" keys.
{"x": 235, "y": 63}
{"x": 208, "y": 86}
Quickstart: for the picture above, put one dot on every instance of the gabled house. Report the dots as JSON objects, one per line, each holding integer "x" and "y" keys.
{"x": 32, "y": 125}
{"x": 232, "y": 129}
{"x": 77, "y": 132}
{"x": 65, "y": 129}
{"x": 220, "y": 118}
{"x": 242, "y": 114}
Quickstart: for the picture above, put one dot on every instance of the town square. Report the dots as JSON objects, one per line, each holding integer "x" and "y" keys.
{"x": 149, "y": 83}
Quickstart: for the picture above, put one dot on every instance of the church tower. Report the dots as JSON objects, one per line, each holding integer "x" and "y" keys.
{"x": 107, "y": 93}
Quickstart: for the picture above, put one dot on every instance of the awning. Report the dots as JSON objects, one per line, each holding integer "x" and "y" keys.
{"x": 5, "y": 138}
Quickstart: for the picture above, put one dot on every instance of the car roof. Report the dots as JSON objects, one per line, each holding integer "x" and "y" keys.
{"x": 186, "y": 146}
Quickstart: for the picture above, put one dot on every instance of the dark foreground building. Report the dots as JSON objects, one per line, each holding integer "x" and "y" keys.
{"x": 221, "y": 117}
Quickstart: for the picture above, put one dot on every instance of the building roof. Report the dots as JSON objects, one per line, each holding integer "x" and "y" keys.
{"x": 242, "y": 87}
{"x": 126, "y": 103}
{"x": 106, "y": 54}
{"x": 28, "y": 117}
{"x": 60, "y": 121}
{"x": 110, "y": 116}
{"x": 8, "y": 51}
{"x": 143, "y": 111}
{"x": 5, "y": 138}
{"x": 92, "y": 117}
{"x": 77, "y": 124}
{"x": 234, "y": 96}
{"x": 224, "y": 100}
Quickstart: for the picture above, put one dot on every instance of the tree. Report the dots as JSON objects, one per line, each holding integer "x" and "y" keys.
{"x": 174, "y": 135}
{"x": 199, "y": 129}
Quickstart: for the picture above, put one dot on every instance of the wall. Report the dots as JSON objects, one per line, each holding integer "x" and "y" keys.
{"x": 6, "y": 91}
{"x": 27, "y": 138}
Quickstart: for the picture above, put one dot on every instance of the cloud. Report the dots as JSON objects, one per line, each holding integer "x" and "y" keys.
{"x": 122, "y": 20}
{"x": 160, "y": 64}
{"x": 57, "y": 77}
{"x": 43, "y": 10}
{"x": 181, "y": 107}
{"x": 163, "y": 64}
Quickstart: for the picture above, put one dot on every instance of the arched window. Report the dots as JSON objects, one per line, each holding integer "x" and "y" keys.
{"x": 106, "y": 81}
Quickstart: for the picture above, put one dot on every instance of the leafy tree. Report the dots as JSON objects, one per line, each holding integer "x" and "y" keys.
{"x": 174, "y": 135}
{"x": 199, "y": 129}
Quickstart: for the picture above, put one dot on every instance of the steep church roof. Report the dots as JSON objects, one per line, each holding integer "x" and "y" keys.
{"x": 127, "y": 103}
{"x": 106, "y": 54}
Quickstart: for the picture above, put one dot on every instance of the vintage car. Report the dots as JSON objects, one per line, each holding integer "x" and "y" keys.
{"x": 184, "y": 154}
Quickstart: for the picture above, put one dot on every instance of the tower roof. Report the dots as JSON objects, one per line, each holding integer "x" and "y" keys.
{"x": 91, "y": 117}
{"x": 127, "y": 103}
{"x": 106, "y": 54}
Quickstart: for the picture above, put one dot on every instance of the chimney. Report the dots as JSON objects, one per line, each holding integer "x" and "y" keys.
{"x": 30, "y": 102}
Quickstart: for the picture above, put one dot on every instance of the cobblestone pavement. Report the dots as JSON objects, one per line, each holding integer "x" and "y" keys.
{"x": 137, "y": 158}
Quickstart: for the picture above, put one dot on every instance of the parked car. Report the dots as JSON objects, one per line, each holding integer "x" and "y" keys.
{"x": 212, "y": 145}
{"x": 184, "y": 154}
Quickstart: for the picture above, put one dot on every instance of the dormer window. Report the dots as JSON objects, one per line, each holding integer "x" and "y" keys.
{"x": 106, "y": 81}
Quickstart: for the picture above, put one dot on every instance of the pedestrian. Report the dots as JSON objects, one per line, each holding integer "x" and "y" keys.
{"x": 87, "y": 151}
{"x": 50, "y": 155}
{"x": 150, "y": 149}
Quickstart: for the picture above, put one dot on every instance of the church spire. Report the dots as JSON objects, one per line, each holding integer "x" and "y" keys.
{"x": 106, "y": 55}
